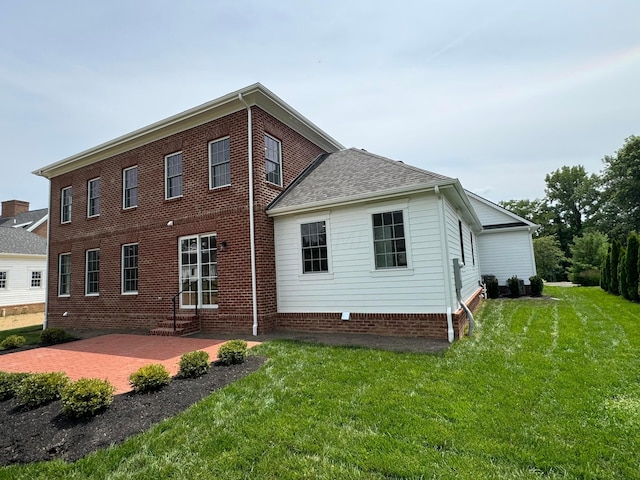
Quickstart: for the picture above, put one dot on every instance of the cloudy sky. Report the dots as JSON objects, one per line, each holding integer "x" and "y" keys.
{"x": 497, "y": 93}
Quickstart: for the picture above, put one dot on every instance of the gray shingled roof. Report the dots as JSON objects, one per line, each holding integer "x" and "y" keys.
{"x": 20, "y": 241}
{"x": 29, "y": 218}
{"x": 350, "y": 173}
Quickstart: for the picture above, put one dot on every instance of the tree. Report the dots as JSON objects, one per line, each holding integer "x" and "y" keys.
{"x": 614, "y": 283}
{"x": 605, "y": 277}
{"x": 587, "y": 255}
{"x": 573, "y": 197}
{"x": 632, "y": 266}
{"x": 622, "y": 274}
{"x": 536, "y": 211}
{"x": 621, "y": 182}
{"x": 549, "y": 258}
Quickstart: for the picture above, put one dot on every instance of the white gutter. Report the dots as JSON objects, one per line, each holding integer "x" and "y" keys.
{"x": 445, "y": 263}
{"x": 254, "y": 286}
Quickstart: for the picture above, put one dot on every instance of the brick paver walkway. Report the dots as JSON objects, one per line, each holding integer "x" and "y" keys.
{"x": 113, "y": 357}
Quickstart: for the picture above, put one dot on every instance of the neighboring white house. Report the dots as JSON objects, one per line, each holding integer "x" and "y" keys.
{"x": 360, "y": 233}
{"x": 23, "y": 266}
{"x": 505, "y": 244}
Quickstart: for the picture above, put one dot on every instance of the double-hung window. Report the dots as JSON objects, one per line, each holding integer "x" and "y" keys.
{"x": 273, "y": 159}
{"x": 314, "y": 247}
{"x": 92, "y": 280}
{"x": 389, "y": 243}
{"x": 64, "y": 274}
{"x": 3, "y": 280}
{"x": 130, "y": 187}
{"x": 65, "y": 205}
{"x": 36, "y": 279}
{"x": 130, "y": 268}
{"x": 93, "y": 200}
{"x": 173, "y": 175}
{"x": 219, "y": 163}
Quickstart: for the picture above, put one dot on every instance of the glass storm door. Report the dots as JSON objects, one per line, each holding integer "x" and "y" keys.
{"x": 198, "y": 271}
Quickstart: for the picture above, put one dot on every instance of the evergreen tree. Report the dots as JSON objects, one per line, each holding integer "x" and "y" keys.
{"x": 615, "y": 258}
{"x": 632, "y": 266}
{"x": 623, "y": 274}
{"x": 605, "y": 278}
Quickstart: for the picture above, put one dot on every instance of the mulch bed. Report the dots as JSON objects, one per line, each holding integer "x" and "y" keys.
{"x": 46, "y": 434}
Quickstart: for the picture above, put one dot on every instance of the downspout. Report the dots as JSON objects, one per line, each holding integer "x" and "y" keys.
{"x": 445, "y": 264}
{"x": 254, "y": 288}
{"x": 458, "y": 281}
{"x": 46, "y": 296}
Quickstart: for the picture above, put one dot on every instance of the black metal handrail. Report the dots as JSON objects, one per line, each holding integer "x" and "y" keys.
{"x": 174, "y": 305}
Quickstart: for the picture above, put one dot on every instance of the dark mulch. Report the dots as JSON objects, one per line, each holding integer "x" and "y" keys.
{"x": 46, "y": 434}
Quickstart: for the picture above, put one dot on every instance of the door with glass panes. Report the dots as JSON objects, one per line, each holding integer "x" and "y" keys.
{"x": 198, "y": 271}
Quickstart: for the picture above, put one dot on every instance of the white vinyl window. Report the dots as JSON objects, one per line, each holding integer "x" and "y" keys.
{"x": 92, "y": 280}
{"x": 130, "y": 187}
{"x": 314, "y": 247}
{"x": 36, "y": 279}
{"x": 173, "y": 175}
{"x": 273, "y": 159}
{"x": 64, "y": 274}
{"x": 65, "y": 205}
{"x": 199, "y": 271}
{"x": 130, "y": 268}
{"x": 93, "y": 197}
{"x": 3, "y": 280}
{"x": 389, "y": 240}
{"x": 219, "y": 163}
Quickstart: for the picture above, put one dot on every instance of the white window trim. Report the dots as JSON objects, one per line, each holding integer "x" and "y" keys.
{"x": 60, "y": 271}
{"x": 6, "y": 279}
{"x": 187, "y": 237}
{"x": 89, "y": 198}
{"x": 211, "y": 187}
{"x": 86, "y": 274}
{"x": 30, "y": 278}
{"x": 281, "y": 182}
{"x": 321, "y": 217}
{"x": 62, "y": 206}
{"x": 122, "y": 290}
{"x": 124, "y": 188}
{"x": 166, "y": 175}
{"x": 383, "y": 208}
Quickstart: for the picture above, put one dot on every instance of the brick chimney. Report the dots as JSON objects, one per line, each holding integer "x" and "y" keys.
{"x": 11, "y": 208}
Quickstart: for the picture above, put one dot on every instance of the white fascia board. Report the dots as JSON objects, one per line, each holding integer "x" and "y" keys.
{"x": 38, "y": 223}
{"x": 518, "y": 228}
{"x": 254, "y": 95}
{"x": 360, "y": 198}
{"x": 25, "y": 256}
{"x": 463, "y": 201}
{"x": 497, "y": 207}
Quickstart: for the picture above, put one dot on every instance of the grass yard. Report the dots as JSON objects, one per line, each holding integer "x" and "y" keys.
{"x": 31, "y": 334}
{"x": 544, "y": 389}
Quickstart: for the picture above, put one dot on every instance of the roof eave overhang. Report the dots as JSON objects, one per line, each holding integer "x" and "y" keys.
{"x": 31, "y": 256}
{"x": 527, "y": 228}
{"x": 253, "y": 95}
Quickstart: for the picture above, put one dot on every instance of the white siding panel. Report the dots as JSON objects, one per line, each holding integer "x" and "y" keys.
{"x": 353, "y": 284}
{"x": 19, "y": 291}
{"x": 489, "y": 215}
{"x": 507, "y": 253}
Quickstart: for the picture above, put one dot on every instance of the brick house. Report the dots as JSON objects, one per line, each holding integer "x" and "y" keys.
{"x": 181, "y": 212}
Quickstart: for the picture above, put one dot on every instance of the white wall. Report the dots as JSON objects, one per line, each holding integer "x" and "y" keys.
{"x": 505, "y": 253}
{"x": 353, "y": 284}
{"x": 19, "y": 268}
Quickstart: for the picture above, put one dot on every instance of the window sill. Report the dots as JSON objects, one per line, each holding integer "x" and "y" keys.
{"x": 129, "y": 293}
{"x": 315, "y": 276}
{"x": 91, "y": 294}
{"x": 67, "y": 295}
{"x": 221, "y": 187}
{"x": 392, "y": 272}
{"x": 173, "y": 199}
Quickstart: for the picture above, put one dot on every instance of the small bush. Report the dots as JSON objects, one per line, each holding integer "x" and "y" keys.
{"x": 514, "y": 286}
{"x": 51, "y": 336}
{"x": 587, "y": 278}
{"x": 493, "y": 289}
{"x": 149, "y": 378}
{"x": 9, "y": 383}
{"x": 194, "y": 364}
{"x": 234, "y": 351}
{"x": 41, "y": 388}
{"x": 12, "y": 341}
{"x": 537, "y": 284}
{"x": 86, "y": 397}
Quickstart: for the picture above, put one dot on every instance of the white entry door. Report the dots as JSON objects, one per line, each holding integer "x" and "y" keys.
{"x": 199, "y": 271}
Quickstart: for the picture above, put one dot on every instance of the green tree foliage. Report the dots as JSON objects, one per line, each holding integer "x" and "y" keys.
{"x": 605, "y": 278}
{"x": 614, "y": 282}
{"x": 632, "y": 266}
{"x": 588, "y": 251}
{"x": 549, "y": 257}
{"x": 621, "y": 182}
{"x": 623, "y": 275}
{"x": 536, "y": 211}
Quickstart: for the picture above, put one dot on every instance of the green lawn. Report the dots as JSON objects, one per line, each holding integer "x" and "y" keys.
{"x": 31, "y": 334}
{"x": 544, "y": 389}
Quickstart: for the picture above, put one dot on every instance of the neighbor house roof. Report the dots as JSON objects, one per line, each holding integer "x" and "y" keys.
{"x": 253, "y": 95}
{"x": 27, "y": 220}
{"x": 18, "y": 241}
{"x": 355, "y": 175}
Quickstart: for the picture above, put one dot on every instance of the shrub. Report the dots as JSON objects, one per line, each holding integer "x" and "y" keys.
{"x": 12, "y": 341}
{"x": 234, "y": 351}
{"x": 149, "y": 378}
{"x": 51, "y": 336}
{"x": 86, "y": 397}
{"x": 41, "y": 388}
{"x": 194, "y": 364}
{"x": 537, "y": 284}
{"x": 587, "y": 278}
{"x": 493, "y": 289}
{"x": 9, "y": 383}
{"x": 514, "y": 286}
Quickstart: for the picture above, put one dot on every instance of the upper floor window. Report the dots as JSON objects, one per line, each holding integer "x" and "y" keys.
{"x": 92, "y": 280}
{"x": 64, "y": 274}
{"x": 219, "y": 163}
{"x": 93, "y": 200}
{"x": 314, "y": 247}
{"x": 130, "y": 268}
{"x": 173, "y": 175}
{"x": 130, "y": 187}
{"x": 65, "y": 205}
{"x": 3, "y": 280}
{"x": 388, "y": 240}
{"x": 36, "y": 279}
{"x": 273, "y": 160}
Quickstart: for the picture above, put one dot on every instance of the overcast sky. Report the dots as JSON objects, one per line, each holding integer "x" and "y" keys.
{"x": 496, "y": 93}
